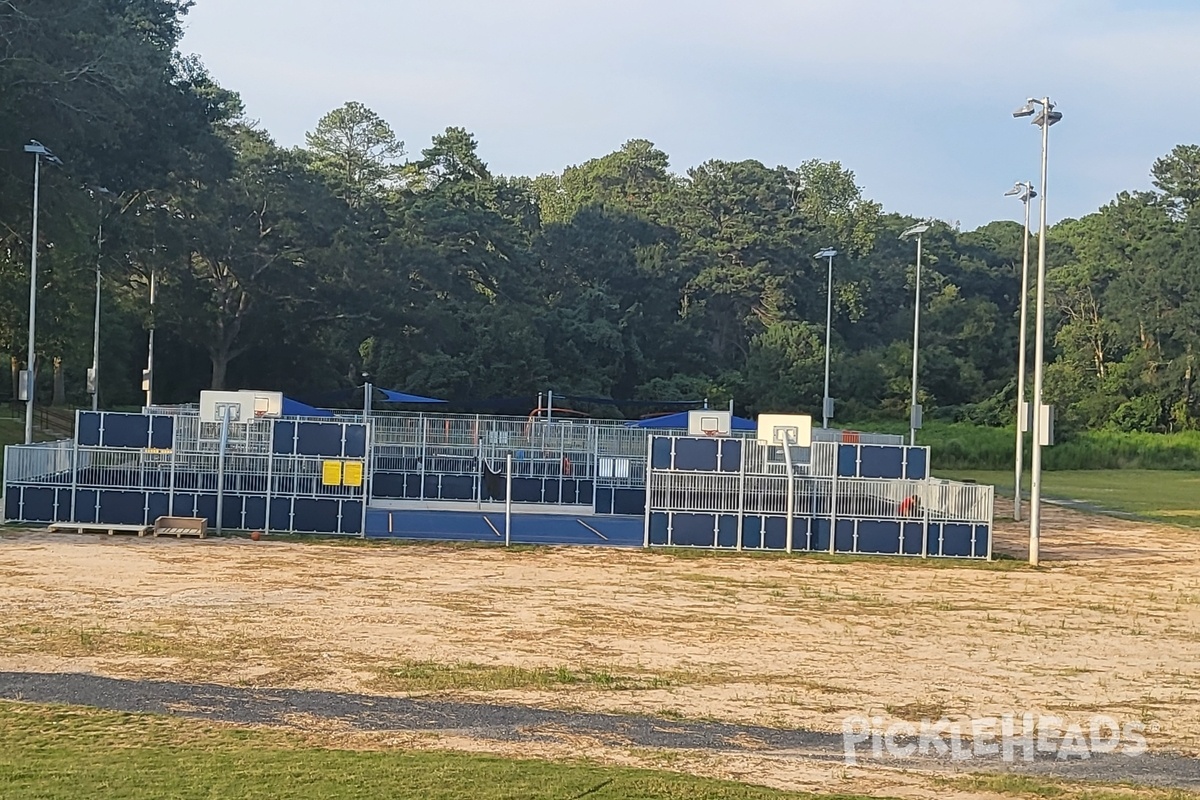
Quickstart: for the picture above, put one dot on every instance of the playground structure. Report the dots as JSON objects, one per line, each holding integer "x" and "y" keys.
{"x": 239, "y": 464}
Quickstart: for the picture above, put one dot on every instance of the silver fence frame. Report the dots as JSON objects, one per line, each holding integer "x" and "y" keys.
{"x": 757, "y": 488}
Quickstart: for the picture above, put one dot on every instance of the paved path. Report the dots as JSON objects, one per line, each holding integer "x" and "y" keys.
{"x": 251, "y": 706}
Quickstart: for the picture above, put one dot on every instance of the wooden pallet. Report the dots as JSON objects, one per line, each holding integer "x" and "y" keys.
{"x": 181, "y": 526}
{"x": 99, "y": 527}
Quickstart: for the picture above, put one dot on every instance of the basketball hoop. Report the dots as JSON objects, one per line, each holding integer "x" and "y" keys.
{"x": 710, "y": 432}
{"x": 260, "y": 413}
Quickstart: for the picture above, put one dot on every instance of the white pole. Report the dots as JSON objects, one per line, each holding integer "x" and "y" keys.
{"x": 912, "y": 440}
{"x": 1035, "y": 485}
{"x": 1021, "y": 361}
{"x": 828, "y": 325}
{"x": 150, "y": 344}
{"x": 29, "y": 363}
{"x": 508, "y": 500}
{"x": 221, "y": 465}
{"x": 790, "y": 503}
{"x": 96, "y": 321}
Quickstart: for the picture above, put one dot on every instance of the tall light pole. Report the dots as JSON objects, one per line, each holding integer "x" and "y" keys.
{"x": 1025, "y": 193}
{"x": 93, "y": 382}
{"x": 39, "y": 151}
{"x": 148, "y": 375}
{"x": 1044, "y": 118}
{"x": 827, "y": 401}
{"x": 914, "y": 408}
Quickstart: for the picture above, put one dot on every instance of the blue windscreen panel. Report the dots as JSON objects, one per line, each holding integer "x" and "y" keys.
{"x": 284, "y": 437}
{"x": 731, "y": 455}
{"x": 356, "y": 441}
{"x": 881, "y": 461}
{"x": 87, "y": 431}
{"x": 660, "y": 452}
{"x": 318, "y": 439}
{"x": 698, "y": 455}
{"x": 847, "y": 461}
{"x": 162, "y": 432}
{"x": 917, "y": 463}
{"x": 125, "y": 430}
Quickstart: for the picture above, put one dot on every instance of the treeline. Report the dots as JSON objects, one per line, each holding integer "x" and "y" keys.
{"x": 305, "y": 268}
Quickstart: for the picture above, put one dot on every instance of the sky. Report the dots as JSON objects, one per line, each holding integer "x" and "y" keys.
{"x": 914, "y": 96}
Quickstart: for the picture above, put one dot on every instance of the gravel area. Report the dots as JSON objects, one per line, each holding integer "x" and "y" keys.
{"x": 251, "y": 706}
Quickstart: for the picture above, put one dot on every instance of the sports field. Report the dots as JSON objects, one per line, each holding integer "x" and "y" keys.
{"x": 718, "y": 666}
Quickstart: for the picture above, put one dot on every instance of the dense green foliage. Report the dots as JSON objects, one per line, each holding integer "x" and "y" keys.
{"x": 302, "y": 269}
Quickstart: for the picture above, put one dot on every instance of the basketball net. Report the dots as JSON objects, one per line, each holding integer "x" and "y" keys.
{"x": 707, "y": 432}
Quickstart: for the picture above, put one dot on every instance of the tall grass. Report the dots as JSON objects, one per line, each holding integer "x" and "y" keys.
{"x": 961, "y": 445}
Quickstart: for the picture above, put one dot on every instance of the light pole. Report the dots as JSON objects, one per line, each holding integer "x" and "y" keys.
{"x": 827, "y": 401}
{"x": 1025, "y": 193}
{"x": 1044, "y": 118}
{"x": 914, "y": 408}
{"x": 93, "y": 382}
{"x": 148, "y": 376}
{"x": 39, "y": 151}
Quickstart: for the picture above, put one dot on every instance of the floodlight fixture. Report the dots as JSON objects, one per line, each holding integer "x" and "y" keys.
{"x": 826, "y": 252}
{"x": 1027, "y": 110}
{"x": 40, "y": 150}
{"x": 917, "y": 230}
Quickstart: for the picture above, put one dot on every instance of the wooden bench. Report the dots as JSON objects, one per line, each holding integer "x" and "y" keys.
{"x": 181, "y": 526}
{"x": 100, "y": 527}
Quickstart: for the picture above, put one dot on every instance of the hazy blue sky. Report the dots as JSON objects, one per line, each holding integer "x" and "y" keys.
{"x": 914, "y": 96}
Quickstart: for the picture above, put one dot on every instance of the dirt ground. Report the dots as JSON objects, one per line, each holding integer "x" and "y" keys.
{"x": 1109, "y": 625}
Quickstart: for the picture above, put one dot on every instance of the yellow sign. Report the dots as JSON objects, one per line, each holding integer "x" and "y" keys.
{"x": 331, "y": 473}
{"x": 352, "y": 473}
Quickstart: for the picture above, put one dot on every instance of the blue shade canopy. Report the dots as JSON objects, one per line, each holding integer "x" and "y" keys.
{"x": 294, "y": 408}
{"x": 391, "y": 396}
{"x": 680, "y": 420}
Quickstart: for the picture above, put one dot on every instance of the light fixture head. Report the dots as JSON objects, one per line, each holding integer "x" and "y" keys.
{"x": 1027, "y": 110}
{"x": 827, "y": 252}
{"x": 40, "y": 150}
{"x": 916, "y": 230}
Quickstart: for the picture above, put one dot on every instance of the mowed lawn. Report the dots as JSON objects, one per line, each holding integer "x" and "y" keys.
{"x": 1166, "y": 495}
{"x": 59, "y": 752}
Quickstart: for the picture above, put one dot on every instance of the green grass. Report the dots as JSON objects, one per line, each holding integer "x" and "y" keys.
{"x": 61, "y": 753}
{"x": 960, "y": 445}
{"x": 1031, "y": 786}
{"x": 1168, "y": 496}
{"x": 430, "y": 676}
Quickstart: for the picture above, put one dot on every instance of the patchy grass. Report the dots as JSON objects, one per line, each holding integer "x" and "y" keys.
{"x": 1161, "y": 495}
{"x": 430, "y": 676}
{"x": 1030, "y": 786}
{"x": 61, "y": 753}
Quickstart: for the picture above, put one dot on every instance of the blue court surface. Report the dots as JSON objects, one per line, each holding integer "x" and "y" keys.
{"x": 488, "y": 526}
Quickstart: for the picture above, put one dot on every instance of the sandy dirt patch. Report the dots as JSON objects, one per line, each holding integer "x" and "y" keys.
{"x": 1109, "y": 625}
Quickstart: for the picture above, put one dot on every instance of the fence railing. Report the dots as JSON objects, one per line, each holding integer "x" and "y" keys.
{"x": 40, "y": 461}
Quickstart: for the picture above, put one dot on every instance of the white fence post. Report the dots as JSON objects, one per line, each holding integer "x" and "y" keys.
{"x": 221, "y": 465}
{"x": 508, "y": 499}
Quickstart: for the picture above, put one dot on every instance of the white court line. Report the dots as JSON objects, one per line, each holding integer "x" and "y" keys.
{"x": 593, "y": 530}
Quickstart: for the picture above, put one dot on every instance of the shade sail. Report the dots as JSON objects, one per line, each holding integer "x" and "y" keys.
{"x": 680, "y": 420}
{"x": 295, "y": 408}
{"x": 392, "y": 396}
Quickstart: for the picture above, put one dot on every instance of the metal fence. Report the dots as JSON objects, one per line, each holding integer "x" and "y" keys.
{"x": 315, "y": 476}
{"x": 753, "y": 503}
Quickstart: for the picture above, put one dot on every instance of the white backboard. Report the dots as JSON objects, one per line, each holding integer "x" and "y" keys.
{"x": 709, "y": 422}
{"x": 244, "y": 405}
{"x": 779, "y": 429}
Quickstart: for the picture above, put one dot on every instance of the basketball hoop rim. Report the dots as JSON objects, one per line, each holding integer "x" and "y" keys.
{"x": 712, "y": 432}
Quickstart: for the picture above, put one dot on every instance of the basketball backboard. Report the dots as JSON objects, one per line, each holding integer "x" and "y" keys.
{"x": 781, "y": 429}
{"x": 244, "y": 406}
{"x": 709, "y": 422}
